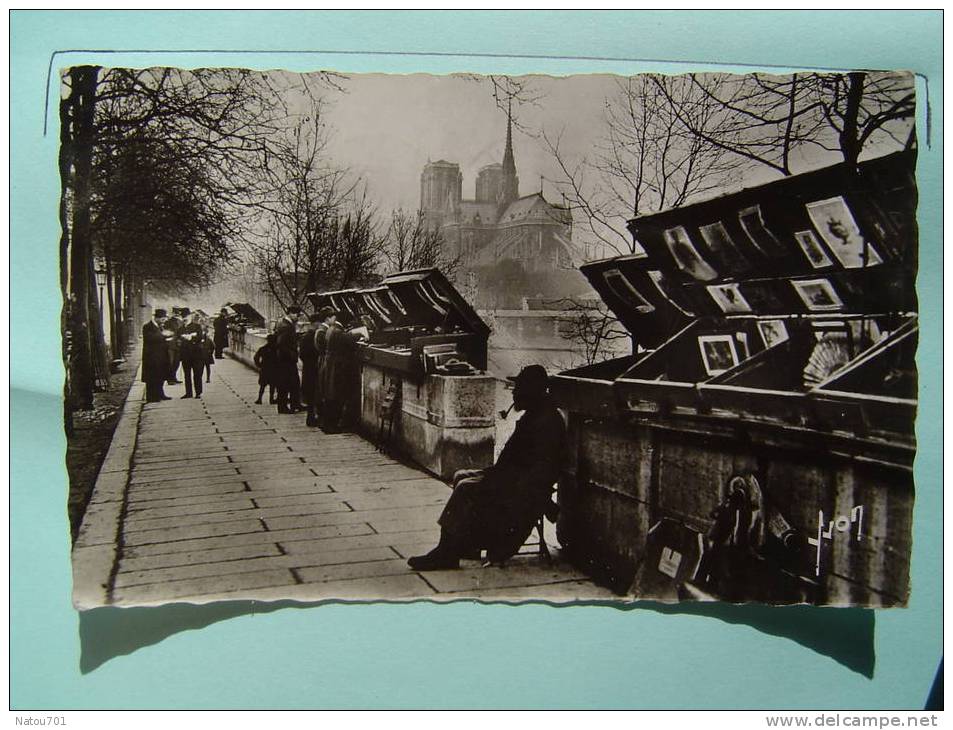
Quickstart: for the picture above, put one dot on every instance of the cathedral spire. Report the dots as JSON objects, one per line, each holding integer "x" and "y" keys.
{"x": 509, "y": 190}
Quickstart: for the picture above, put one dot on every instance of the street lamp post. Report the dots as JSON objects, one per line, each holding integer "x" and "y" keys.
{"x": 101, "y": 280}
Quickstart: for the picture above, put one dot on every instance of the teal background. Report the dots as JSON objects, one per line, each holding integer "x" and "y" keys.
{"x": 465, "y": 654}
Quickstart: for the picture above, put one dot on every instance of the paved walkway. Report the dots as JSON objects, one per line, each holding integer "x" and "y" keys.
{"x": 219, "y": 498}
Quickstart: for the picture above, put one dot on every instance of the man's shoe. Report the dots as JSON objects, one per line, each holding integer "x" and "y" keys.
{"x": 165, "y": 397}
{"x": 283, "y": 410}
{"x": 434, "y": 560}
{"x": 187, "y": 395}
{"x": 258, "y": 402}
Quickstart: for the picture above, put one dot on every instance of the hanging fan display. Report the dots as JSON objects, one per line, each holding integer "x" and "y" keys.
{"x": 831, "y": 353}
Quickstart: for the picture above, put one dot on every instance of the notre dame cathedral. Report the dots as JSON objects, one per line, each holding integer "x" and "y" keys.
{"x": 511, "y": 248}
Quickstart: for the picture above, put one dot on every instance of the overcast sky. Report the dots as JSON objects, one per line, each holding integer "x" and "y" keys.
{"x": 386, "y": 127}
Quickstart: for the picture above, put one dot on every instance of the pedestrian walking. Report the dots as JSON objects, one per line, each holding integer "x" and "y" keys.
{"x": 208, "y": 354}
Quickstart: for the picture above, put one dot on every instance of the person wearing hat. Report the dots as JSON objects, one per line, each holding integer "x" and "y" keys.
{"x": 192, "y": 338}
{"x": 325, "y": 318}
{"x": 340, "y": 372}
{"x": 155, "y": 357}
{"x": 307, "y": 355}
{"x": 286, "y": 343}
{"x": 220, "y": 328}
{"x": 495, "y": 509}
{"x": 174, "y": 325}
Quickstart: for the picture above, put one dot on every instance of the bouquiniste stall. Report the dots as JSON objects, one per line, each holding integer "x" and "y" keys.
{"x": 423, "y": 368}
{"x": 759, "y": 444}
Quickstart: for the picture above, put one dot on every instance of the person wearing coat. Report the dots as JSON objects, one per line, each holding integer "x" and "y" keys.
{"x": 174, "y": 325}
{"x": 495, "y": 509}
{"x": 220, "y": 327}
{"x": 340, "y": 362}
{"x": 191, "y": 344}
{"x": 208, "y": 350}
{"x": 266, "y": 360}
{"x": 286, "y": 343}
{"x": 307, "y": 356}
{"x": 326, "y": 317}
{"x": 155, "y": 357}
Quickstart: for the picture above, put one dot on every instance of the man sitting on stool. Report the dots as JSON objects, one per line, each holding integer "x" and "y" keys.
{"x": 496, "y": 508}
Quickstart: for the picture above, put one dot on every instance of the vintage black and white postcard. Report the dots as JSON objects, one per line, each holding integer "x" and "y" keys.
{"x": 399, "y": 337}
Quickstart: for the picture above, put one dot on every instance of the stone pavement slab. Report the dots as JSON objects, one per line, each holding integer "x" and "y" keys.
{"x": 219, "y": 498}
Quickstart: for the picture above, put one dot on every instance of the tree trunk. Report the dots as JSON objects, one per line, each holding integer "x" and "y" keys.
{"x": 83, "y": 99}
{"x": 111, "y": 301}
{"x": 66, "y": 170}
{"x": 849, "y": 136}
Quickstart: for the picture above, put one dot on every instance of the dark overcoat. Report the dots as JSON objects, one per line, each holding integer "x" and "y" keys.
{"x": 220, "y": 327}
{"x": 192, "y": 348}
{"x": 266, "y": 359}
{"x": 497, "y": 512}
{"x": 307, "y": 354}
{"x": 286, "y": 353}
{"x": 339, "y": 363}
{"x": 320, "y": 351}
{"x": 155, "y": 353}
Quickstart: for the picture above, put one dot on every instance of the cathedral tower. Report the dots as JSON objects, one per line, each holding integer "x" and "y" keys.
{"x": 510, "y": 187}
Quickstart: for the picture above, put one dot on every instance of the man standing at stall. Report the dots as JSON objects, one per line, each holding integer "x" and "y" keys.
{"x": 340, "y": 366}
{"x": 220, "y": 326}
{"x": 496, "y": 508}
{"x": 286, "y": 343}
{"x": 326, "y": 317}
{"x": 307, "y": 355}
{"x": 155, "y": 357}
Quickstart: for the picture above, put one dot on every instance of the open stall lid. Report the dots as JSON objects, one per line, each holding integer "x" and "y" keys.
{"x": 426, "y": 297}
{"x": 636, "y": 294}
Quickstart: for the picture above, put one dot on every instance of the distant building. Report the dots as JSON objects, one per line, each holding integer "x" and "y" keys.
{"x": 509, "y": 247}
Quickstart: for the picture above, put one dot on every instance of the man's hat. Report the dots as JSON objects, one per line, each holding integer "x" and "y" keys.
{"x": 159, "y": 313}
{"x": 326, "y": 312}
{"x": 184, "y": 311}
{"x": 293, "y": 309}
{"x": 532, "y": 377}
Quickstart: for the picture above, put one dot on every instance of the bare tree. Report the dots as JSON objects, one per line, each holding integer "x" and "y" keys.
{"x": 766, "y": 120}
{"x": 509, "y": 92}
{"x": 412, "y": 244}
{"x": 196, "y": 136}
{"x": 318, "y": 224}
{"x": 646, "y": 160}
{"x": 671, "y": 139}
{"x": 591, "y": 328}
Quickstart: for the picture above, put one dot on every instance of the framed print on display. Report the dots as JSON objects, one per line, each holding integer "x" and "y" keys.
{"x": 718, "y": 353}
{"x": 818, "y": 295}
{"x": 729, "y": 298}
{"x": 812, "y": 249}
{"x": 686, "y": 255}
{"x": 773, "y": 331}
{"x": 840, "y": 232}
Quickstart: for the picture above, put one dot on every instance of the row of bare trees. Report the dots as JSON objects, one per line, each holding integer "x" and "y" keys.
{"x": 670, "y": 139}
{"x": 319, "y": 230}
{"x": 173, "y": 176}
